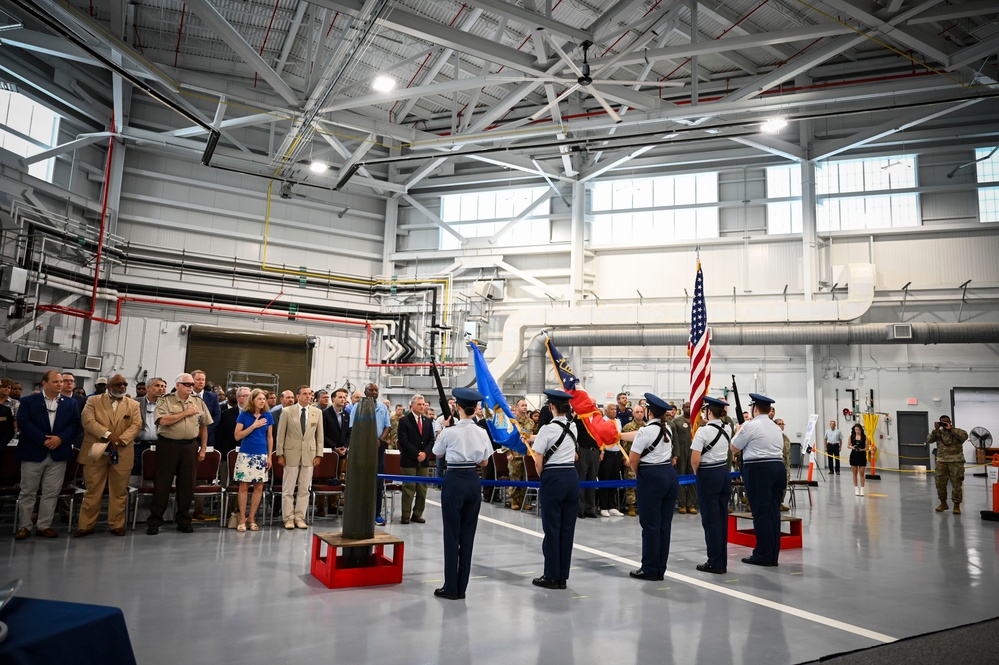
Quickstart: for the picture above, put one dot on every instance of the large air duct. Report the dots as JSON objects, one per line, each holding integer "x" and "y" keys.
{"x": 536, "y": 366}
{"x": 777, "y": 334}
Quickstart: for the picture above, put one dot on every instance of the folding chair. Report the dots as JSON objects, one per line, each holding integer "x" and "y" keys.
{"x": 393, "y": 467}
{"x": 206, "y": 478}
{"x": 501, "y": 471}
{"x": 145, "y": 487}
{"x": 325, "y": 481}
{"x": 272, "y": 492}
{"x": 232, "y": 489}
{"x": 10, "y": 478}
{"x": 531, "y": 470}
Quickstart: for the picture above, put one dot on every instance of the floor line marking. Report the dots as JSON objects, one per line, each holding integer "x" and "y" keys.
{"x": 693, "y": 581}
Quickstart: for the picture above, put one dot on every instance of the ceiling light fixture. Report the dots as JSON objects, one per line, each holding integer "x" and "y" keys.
{"x": 773, "y": 125}
{"x": 318, "y": 167}
{"x": 383, "y": 83}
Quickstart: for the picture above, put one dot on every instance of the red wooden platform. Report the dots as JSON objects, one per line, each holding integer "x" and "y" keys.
{"x": 747, "y": 537}
{"x": 329, "y": 568}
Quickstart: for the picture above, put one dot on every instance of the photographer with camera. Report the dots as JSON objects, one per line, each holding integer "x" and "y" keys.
{"x": 950, "y": 461}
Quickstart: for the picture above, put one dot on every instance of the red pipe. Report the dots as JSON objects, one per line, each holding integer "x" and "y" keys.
{"x": 180, "y": 31}
{"x": 266, "y": 35}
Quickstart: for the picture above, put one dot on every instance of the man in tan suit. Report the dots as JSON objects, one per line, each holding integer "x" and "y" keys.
{"x": 112, "y": 418}
{"x": 299, "y": 451}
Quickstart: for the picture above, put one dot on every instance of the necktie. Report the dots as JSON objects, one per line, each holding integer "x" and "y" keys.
{"x": 419, "y": 424}
{"x": 302, "y": 411}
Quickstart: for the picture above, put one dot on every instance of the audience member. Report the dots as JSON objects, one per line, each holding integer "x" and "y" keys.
{"x": 416, "y": 444}
{"x": 610, "y": 469}
{"x": 111, "y": 421}
{"x": 48, "y": 424}
{"x": 254, "y": 431}
{"x": 382, "y": 426}
{"x": 147, "y": 410}
{"x": 299, "y": 450}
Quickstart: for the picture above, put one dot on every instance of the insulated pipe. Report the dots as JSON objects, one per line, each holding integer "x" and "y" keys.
{"x": 536, "y": 366}
{"x": 832, "y": 334}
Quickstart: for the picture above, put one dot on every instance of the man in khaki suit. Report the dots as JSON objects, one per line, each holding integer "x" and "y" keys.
{"x": 299, "y": 450}
{"x": 112, "y": 418}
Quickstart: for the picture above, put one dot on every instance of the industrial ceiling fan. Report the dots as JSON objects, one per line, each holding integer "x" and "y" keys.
{"x": 586, "y": 81}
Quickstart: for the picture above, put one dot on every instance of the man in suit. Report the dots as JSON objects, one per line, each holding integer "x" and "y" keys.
{"x": 336, "y": 431}
{"x": 211, "y": 401}
{"x": 112, "y": 418}
{"x": 155, "y": 389}
{"x": 299, "y": 450}
{"x": 49, "y": 423}
{"x": 416, "y": 444}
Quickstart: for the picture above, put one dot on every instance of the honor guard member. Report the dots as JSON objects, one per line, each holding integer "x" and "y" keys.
{"x": 709, "y": 458}
{"x": 554, "y": 455}
{"x": 658, "y": 486}
{"x": 463, "y": 446}
{"x": 762, "y": 446}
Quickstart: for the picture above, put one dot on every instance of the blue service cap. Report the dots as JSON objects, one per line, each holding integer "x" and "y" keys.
{"x": 658, "y": 402}
{"x": 762, "y": 400}
{"x": 714, "y": 401}
{"x": 467, "y": 396}
{"x": 558, "y": 395}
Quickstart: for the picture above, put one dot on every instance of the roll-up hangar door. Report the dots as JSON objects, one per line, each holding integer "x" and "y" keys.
{"x": 219, "y": 351}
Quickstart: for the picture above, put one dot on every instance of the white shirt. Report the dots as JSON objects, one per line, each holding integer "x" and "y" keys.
{"x": 549, "y": 434}
{"x": 760, "y": 439}
{"x": 663, "y": 452}
{"x": 706, "y": 433}
{"x": 465, "y": 443}
{"x": 51, "y": 405}
{"x": 149, "y": 417}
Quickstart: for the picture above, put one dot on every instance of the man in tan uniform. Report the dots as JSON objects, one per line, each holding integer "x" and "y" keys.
{"x": 112, "y": 418}
{"x": 299, "y": 450}
{"x": 182, "y": 422}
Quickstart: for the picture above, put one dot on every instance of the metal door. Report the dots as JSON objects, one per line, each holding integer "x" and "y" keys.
{"x": 913, "y": 451}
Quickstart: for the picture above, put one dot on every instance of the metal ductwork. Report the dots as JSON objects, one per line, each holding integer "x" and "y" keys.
{"x": 536, "y": 366}
{"x": 831, "y": 334}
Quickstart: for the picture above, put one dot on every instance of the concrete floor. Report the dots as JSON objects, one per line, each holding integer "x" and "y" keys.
{"x": 872, "y": 569}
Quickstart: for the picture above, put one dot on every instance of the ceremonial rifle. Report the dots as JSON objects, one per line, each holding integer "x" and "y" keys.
{"x": 738, "y": 403}
{"x": 445, "y": 408}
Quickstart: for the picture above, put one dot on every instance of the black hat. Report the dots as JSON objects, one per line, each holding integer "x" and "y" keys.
{"x": 657, "y": 402}
{"x": 762, "y": 400}
{"x": 714, "y": 401}
{"x": 466, "y": 396}
{"x": 558, "y": 395}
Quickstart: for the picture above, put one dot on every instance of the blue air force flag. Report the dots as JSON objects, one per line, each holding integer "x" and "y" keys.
{"x": 499, "y": 417}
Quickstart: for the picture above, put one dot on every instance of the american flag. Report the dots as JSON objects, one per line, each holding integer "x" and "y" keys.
{"x": 699, "y": 350}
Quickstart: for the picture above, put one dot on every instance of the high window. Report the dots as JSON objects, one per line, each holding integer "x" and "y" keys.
{"x": 988, "y": 197}
{"x": 784, "y": 182}
{"x": 483, "y": 214}
{"x": 26, "y": 129}
{"x": 857, "y": 194}
{"x": 643, "y": 210}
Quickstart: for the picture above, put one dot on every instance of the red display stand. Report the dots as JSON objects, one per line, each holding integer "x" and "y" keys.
{"x": 329, "y": 568}
{"x": 747, "y": 538}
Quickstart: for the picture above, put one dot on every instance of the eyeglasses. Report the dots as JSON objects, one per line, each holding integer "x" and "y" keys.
{"x": 123, "y": 384}
{"x": 186, "y": 385}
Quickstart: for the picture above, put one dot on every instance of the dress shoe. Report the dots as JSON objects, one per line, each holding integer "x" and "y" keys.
{"x": 942, "y": 507}
{"x": 592, "y": 513}
{"x": 561, "y": 584}
{"x": 957, "y": 509}
{"x": 290, "y": 524}
{"x": 705, "y": 568}
{"x": 418, "y": 519}
{"x": 23, "y": 533}
{"x": 300, "y": 524}
{"x": 441, "y": 593}
{"x": 81, "y": 533}
{"x": 756, "y": 562}
{"x": 47, "y": 533}
{"x": 404, "y": 520}
{"x": 642, "y": 575}
{"x": 580, "y": 516}
{"x": 152, "y": 530}
{"x": 185, "y": 528}
{"x": 544, "y": 582}
{"x": 120, "y": 531}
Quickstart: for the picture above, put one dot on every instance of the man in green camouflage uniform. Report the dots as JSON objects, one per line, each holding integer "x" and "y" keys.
{"x": 393, "y": 435}
{"x": 950, "y": 462}
{"x": 516, "y": 460}
{"x": 787, "y": 454}
{"x": 687, "y": 498}
{"x": 637, "y": 422}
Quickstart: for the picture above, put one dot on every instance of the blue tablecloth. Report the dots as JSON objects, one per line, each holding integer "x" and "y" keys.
{"x": 44, "y": 632}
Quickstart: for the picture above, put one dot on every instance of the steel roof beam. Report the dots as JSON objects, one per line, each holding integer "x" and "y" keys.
{"x": 533, "y": 20}
{"x": 983, "y": 49}
{"x": 214, "y": 18}
{"x": 867, "y": 12}
{"x": 774, "y": 146}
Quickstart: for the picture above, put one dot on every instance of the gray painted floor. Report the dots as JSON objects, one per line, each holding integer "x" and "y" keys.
{"x": 885, "y": 564}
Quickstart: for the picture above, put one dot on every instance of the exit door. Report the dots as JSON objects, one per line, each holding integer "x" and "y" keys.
{"x": 913, "y": 451}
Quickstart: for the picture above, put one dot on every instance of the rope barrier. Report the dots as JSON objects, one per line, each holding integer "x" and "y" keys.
{"x": 881, "y": 468}
{"x": 689, "y": 479}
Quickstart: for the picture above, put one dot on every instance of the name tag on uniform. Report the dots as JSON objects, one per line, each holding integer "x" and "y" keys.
{"x": 177, "y": 407}
{"x": 3, "y": 419}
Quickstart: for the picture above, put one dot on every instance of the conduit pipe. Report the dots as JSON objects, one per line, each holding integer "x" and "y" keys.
{"x": 831, "y": 334}
{"x": 860, "y": 296}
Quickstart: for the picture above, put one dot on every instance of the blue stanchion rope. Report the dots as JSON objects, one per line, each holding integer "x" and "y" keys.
{"x": 596, "y": 484}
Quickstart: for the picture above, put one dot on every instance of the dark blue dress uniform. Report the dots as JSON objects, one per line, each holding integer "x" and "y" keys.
{"x": 463, "y": 446}
{"x": 762, "y": 444}
{"x": 559, "y": 495}
{"x": 658, "y": 486}
{"x": 714, "y": 487}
